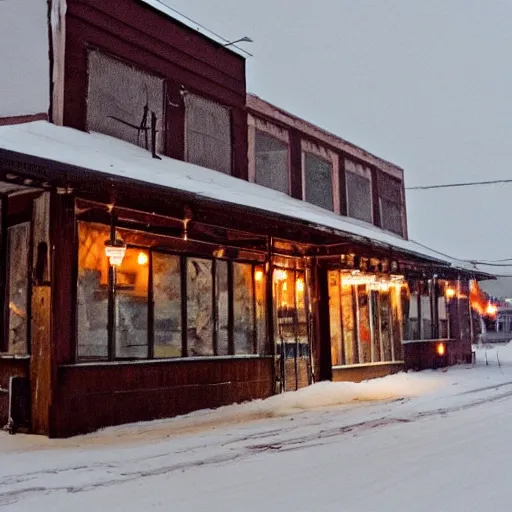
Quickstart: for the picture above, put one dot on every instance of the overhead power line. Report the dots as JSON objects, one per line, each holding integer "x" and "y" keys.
{"x": 453, "y": 185}
{"x": 201, "y": 26}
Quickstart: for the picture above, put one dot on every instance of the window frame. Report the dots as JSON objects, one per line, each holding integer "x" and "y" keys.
{"x": 333, "y": 159}
{"x": 364, "y": 171}
{"x": 258, "y": 349}
{"x": 160, "y": 139}
{"x": 192, "y": 94}
{"x": 255, "y": 124}
{"x": 381, "y": 178}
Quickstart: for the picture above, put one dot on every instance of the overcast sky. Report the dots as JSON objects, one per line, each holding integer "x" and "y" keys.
{"x": 424, "y": 84}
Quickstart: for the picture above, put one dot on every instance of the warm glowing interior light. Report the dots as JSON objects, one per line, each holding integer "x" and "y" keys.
{"x": 300, "y": 285}
{"x": 280, "y": 275}
{"x": 450, "y": 293}
{"x": 491, "y": 309}
{"x": 142, "y": 258}
{"x": 258, "y": 276}
{"x": 440, "y": 349}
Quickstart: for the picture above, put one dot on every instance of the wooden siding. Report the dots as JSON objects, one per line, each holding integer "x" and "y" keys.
{"x": 365, "y": 372}
{"x": 302, "y": 132}
{"x": 94, "y": 396}
{"x": 186, "y": 60}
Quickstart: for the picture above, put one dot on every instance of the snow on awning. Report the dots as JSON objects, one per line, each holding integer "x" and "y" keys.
{"x": 114, "y": 157}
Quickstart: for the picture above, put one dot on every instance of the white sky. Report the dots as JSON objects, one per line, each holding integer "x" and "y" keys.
{"x": 425, "y": 85}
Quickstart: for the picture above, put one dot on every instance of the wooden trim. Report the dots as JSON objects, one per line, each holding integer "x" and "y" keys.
{"x": 4, "y": 340}
{"x": 151, "y": 309}
{"x": 4, "y": 121}
{"x": 231, "y": 313}
{"x": 375, "y": 198}
{"x": 184, "y": 312}
{"x": 295, "y": 165}
{"x": 258, "y": 106}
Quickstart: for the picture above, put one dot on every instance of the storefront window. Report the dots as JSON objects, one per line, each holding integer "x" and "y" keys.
{"x": 369, "y": 323}
{"x": 224, "y": 302}
{"x": 410, "y": 311}
{"x": 18, "y": 243}
{"x": 350, "y": 348}
{"x": 385, "y": 326}
{"x": 92, "y": 299}
{"x": 131, "y": 315}
{"x": 243, "y": 308}
{"x": 261, "y": 326}
{"x": 167, "y": 305}
{"x": 365, "y": 334}
{"x": 396, "y": 328}
{"x": 199, "y": 307}
{"x": 335, "y": 317}
{"x": 291, "y": 315}
{"x": 425, "y": 309}
{"x": 222, "y": 305}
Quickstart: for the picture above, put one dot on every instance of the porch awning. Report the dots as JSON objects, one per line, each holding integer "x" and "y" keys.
{"x": 115, "y": 158}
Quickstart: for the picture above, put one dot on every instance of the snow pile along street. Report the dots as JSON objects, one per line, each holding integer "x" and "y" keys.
{"x": 422, "y": 441}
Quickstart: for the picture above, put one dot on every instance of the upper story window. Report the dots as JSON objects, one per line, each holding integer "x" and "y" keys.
{"x": 318, "y": 176}
{"x": 207, "y": 134}
{"x": 120, "y": 100}
{"x": 359, "y": 191}
{"x": 391, "y": 204}
{"x": 272, "y": 159}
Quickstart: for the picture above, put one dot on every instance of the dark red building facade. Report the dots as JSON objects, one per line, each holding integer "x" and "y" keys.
{"x": 136, "y": 286}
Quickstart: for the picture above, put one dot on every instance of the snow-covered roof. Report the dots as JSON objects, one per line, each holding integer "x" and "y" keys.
{"x": 115, "y": 157}
{"x": 167, "y": 10}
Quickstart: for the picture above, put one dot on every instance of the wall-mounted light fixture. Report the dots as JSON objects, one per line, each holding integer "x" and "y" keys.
{"x": 115, "y": 252}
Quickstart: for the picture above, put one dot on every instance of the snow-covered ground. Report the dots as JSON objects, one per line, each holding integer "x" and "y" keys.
{"x": 418, "y": 441}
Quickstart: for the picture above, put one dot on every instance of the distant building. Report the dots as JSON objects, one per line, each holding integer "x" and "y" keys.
{"x": 169, "y": 243}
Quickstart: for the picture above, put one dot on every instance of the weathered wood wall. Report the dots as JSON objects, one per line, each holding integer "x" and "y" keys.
{"x": 94, "y": 396}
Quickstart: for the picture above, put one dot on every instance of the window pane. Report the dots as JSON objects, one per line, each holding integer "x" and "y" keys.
{"x": 359, "y": 197}
{"x": 365, "y": 337}
{"x": 335, "y": 316}
{"x": 284, "y": 286}
{"x": 385, "y": 326}
{"x": 376, "y": 325}
{"x": 208, "y": 134}
{"x": 318, "y": 181}
{"x": 243, "y": 309}
{"x": 395, "y": 319}
{"x": 18, "y": 240}
{"x": 272, "y": 162}
{"x": 302, "y": 318}
{"x": 411, "y": 324}
{"x": 167, "y": 305}
{"x": 222, "y": 304}
{"x": 426, "y": 313}
{"x": 349, "y": 325}
{"x": 118, "y": 94}
{"x": 199, "y": 307}
{"x": 261, "y": 326}
{"x": 92, "y": 311}
{"x": 391, "y": 216}
{"x": 131, "y": 312}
